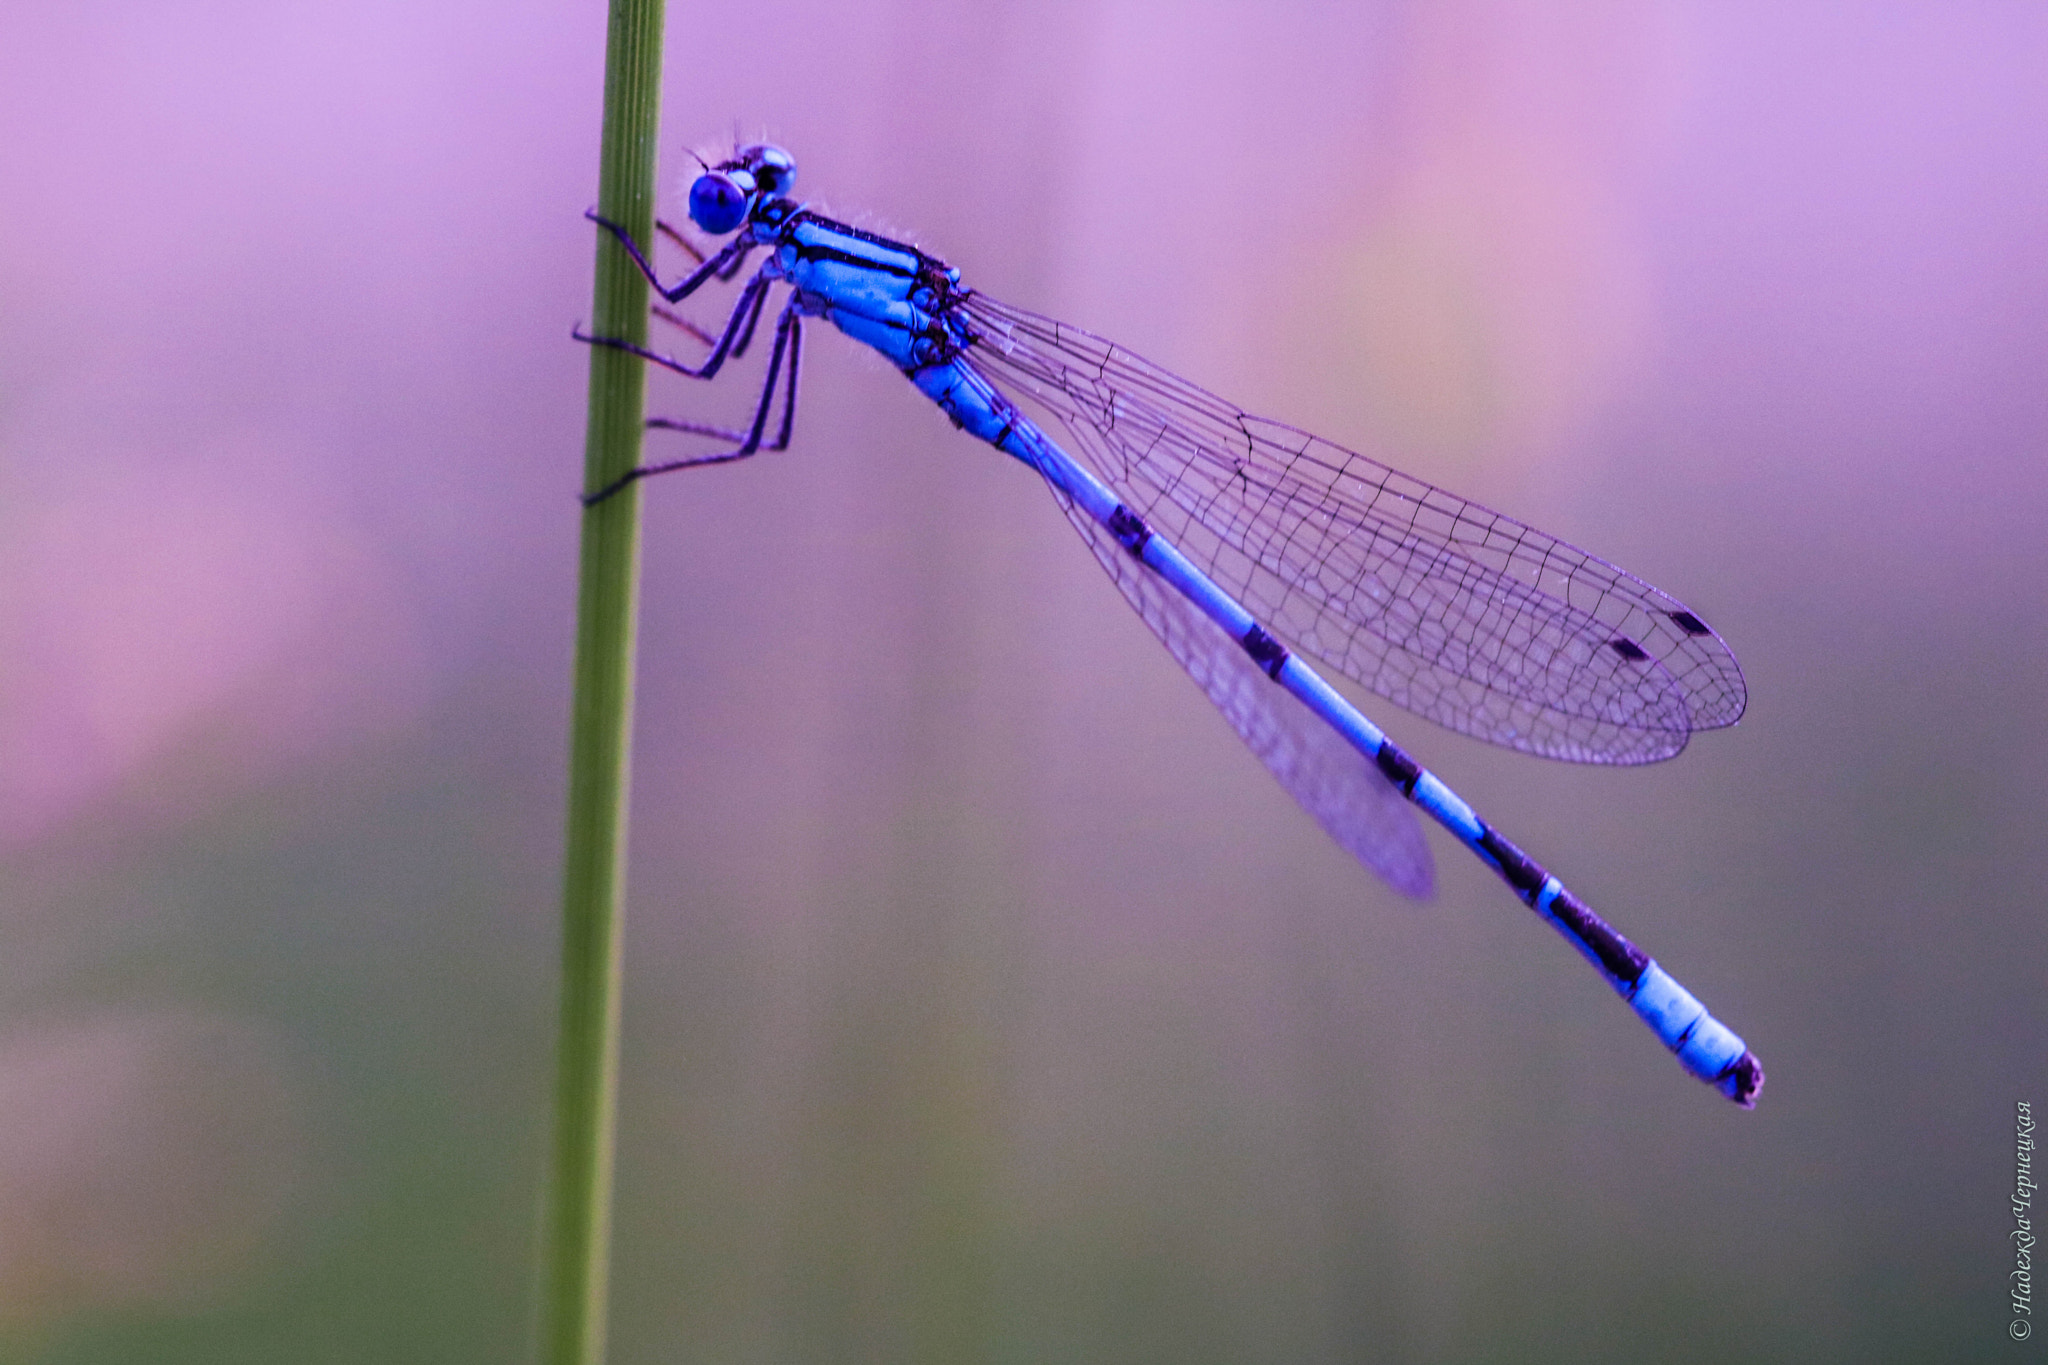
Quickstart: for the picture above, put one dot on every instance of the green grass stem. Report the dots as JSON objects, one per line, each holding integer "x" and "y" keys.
{"x": 576, "y": 1254}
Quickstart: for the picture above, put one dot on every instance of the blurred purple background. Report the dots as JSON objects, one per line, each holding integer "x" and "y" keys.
{"x": 984, "y": 1000}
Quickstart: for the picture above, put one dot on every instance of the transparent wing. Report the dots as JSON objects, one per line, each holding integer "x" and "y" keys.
{"x": 1462, "y": 615}
{"x": 1346, "y": 794}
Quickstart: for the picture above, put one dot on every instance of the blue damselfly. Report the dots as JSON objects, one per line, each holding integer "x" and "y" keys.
{"x": 1230, "y": 534}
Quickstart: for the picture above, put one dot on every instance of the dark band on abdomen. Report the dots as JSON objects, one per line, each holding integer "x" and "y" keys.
{"x": 1130, "y": 529}
{"x": 1267, "y": 652}
{"x": 1397, "y": 767}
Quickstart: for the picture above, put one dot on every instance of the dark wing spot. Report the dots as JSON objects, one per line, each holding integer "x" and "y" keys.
{"x": 1627, "y": 649}
{"x": 1690, "y": 624}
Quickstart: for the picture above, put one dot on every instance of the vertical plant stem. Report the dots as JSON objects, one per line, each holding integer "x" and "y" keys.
{"x": 587, "y": 1060}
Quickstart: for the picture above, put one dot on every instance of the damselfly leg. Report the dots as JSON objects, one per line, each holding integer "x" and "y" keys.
{"x": 725, "y": 272}
{"x": 737, "y": 334}
{"x": 722, "y": 266}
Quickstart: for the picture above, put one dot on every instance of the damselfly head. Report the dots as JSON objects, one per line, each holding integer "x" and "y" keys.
{"x": 774, "y": 169}
{"x": 724, "y": 195}
{"x": 720, "y": 199}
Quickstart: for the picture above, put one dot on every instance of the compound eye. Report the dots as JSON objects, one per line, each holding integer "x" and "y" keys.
{"x": 719, "y": 200}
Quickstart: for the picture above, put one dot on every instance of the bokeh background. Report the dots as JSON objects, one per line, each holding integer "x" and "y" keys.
{"x": 984, "y": 1001}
